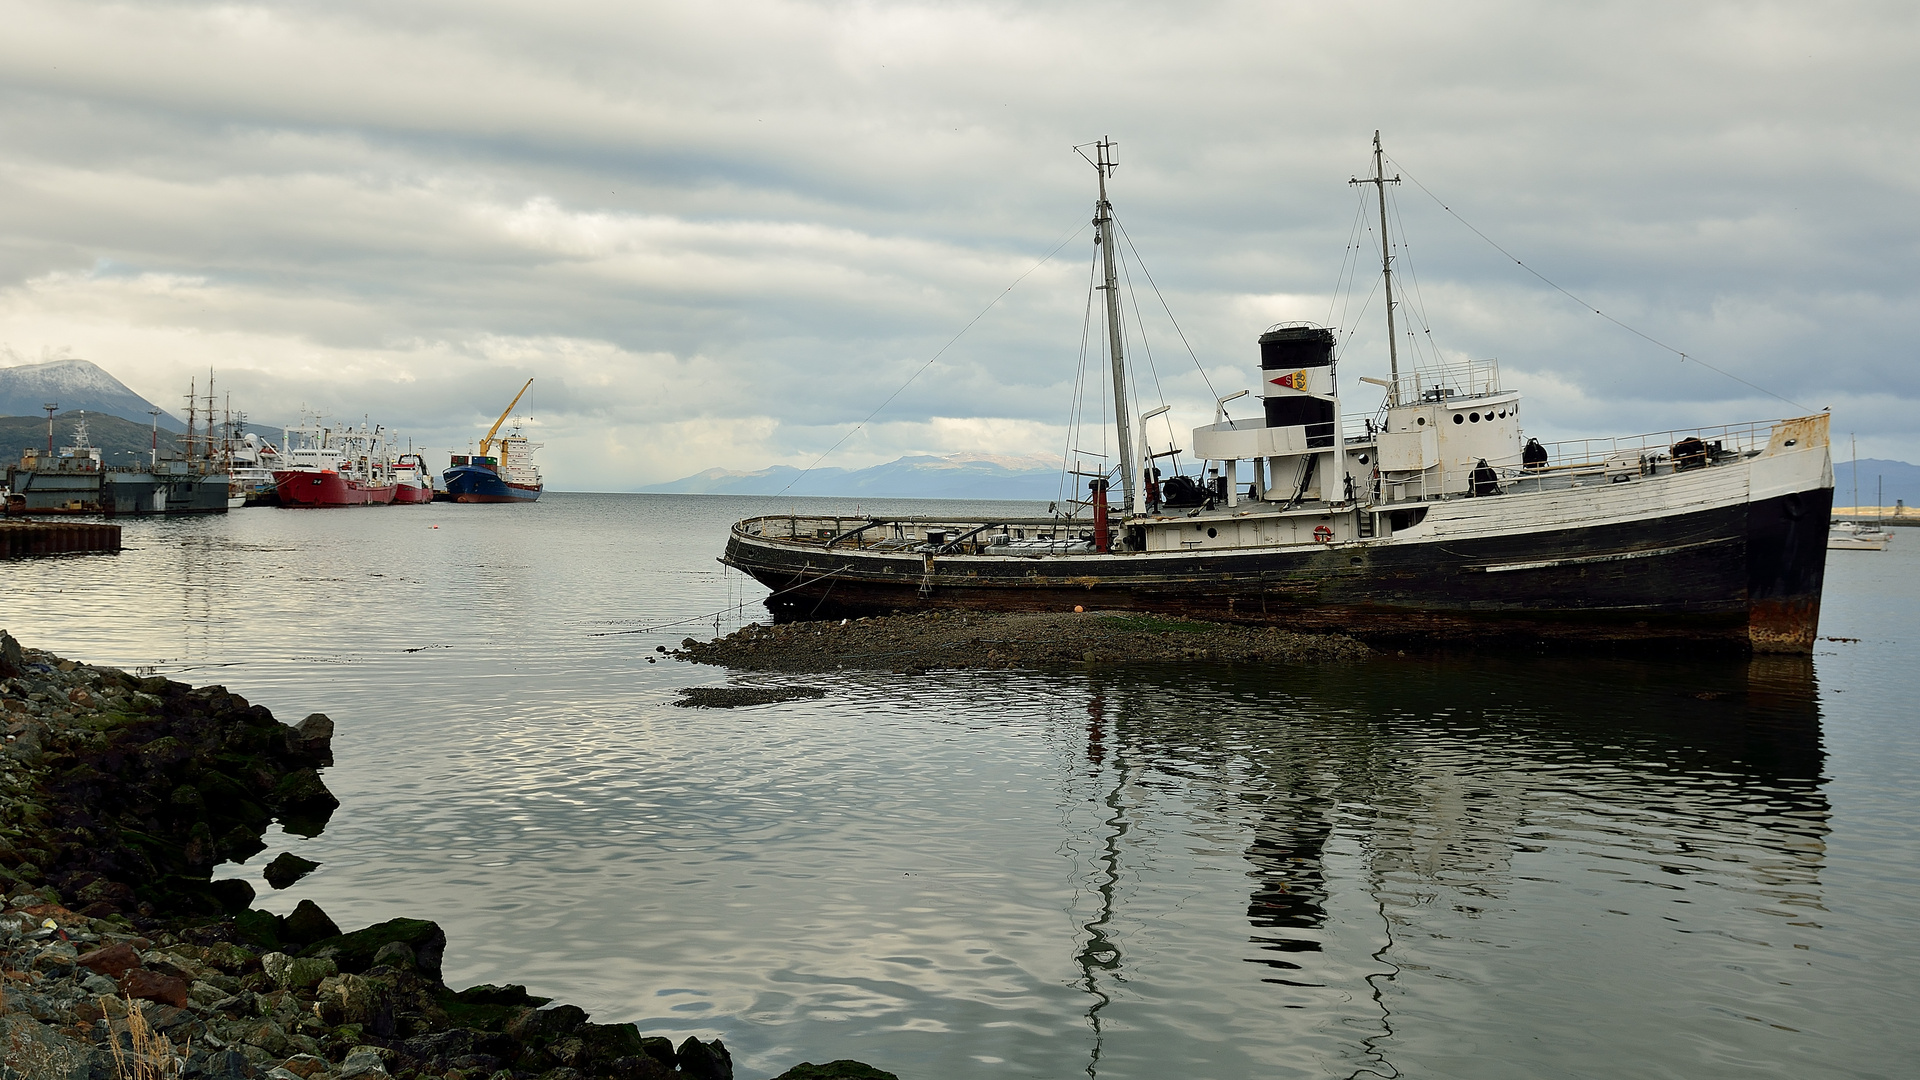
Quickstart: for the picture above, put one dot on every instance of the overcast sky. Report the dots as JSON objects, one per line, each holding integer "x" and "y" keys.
{"x": 720, "y": 234}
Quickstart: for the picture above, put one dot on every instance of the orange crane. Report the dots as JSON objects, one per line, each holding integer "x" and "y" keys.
{"x": 486, "y": 444}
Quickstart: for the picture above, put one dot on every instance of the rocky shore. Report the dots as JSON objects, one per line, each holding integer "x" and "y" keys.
{"x": 121, "y": 957}
{"x": 947, "y": 640}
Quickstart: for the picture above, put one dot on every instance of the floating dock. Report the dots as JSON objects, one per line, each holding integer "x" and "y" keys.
{"x": 20, "y": 539}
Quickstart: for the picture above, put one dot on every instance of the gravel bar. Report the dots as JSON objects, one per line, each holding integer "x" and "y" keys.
{"x": 950, "y": 640}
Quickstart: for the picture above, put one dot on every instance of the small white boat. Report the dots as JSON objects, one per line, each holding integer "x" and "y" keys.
{"x": 1848, "y": 536}
{"x": 251, "y": 462}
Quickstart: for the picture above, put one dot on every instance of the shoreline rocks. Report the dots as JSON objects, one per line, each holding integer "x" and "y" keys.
{"x": 958, "y": 640}
{"x": 121, "y": 957}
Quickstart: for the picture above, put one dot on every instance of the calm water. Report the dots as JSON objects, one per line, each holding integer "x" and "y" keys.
{"x": 1478, "y": 867}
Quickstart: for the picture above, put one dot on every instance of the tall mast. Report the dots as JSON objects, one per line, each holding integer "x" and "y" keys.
{"x": 1380, "y": 180}
{"x": 1103, "y": 235}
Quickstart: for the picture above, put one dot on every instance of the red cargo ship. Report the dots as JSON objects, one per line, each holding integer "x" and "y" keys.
{"x": 412, "y": 482}
{"x": 329, "y": 487}
{"x": 323, "y": 466}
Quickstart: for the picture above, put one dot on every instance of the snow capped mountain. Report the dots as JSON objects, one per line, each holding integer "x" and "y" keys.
{"x": 74, "y": 384}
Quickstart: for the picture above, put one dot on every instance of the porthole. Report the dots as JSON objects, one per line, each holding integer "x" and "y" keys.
{"x": 1211, "y": 533}
{"x": 1473, "y": 417}
{"x": 1364, "y": 459}
{"x": 1421, "y": 420}
{"x": 1503, "y": 414}
{"x": 1459, "y": 419}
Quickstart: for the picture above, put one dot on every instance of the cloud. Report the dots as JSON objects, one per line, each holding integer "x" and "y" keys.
{"x": 722, "y": 235}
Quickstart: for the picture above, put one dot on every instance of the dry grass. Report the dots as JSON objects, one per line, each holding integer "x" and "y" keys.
{"x": 149, "y": 1055}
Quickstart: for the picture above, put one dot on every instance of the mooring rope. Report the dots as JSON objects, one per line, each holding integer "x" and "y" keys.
{"x": 716, "y": 614}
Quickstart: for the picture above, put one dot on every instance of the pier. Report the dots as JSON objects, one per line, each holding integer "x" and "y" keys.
{"x": 20, "y": 539}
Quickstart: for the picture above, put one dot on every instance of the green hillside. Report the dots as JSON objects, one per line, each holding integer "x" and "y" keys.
{"x": 121, "y": 442}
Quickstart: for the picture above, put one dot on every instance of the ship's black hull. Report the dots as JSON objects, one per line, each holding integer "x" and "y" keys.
{"x": 1744, "y": 577}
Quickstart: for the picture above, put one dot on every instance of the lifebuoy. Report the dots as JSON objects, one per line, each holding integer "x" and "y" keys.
{"x": 1323, "y": 534}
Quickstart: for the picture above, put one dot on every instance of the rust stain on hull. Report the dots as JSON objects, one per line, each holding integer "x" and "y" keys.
{"x": 1783, "y": 626}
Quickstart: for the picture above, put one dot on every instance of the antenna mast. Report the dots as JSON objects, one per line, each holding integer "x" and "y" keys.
{"x": 1104, "y": 164}
{"x": 1380, "y": 180}
{"x": 210, "y": 438}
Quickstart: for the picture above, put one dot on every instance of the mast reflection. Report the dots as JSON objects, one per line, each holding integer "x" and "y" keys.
{"x": 1395, "y": 796}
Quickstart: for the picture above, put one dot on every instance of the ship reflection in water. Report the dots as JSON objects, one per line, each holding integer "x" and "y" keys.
{"x": 1402, "y": 833}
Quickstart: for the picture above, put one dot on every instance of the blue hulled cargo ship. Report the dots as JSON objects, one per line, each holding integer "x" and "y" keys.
{"x": 511, "y": 476}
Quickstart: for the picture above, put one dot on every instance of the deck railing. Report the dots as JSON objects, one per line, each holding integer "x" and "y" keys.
{"x": 1733, "y": 438}
{"x": 1443, "y": 382}
{"x": 1576, "y": 460}
{"x": 863, "y": 532}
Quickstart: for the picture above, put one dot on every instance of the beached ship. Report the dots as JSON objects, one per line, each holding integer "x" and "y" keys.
{"x": 510, "y": 475}
{"x": 1432, "y": 518}
{"x": 323, "y": 466}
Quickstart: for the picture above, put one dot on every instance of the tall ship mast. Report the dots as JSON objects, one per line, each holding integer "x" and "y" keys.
{"x": 1103, "y": 235}
{"x": 75, "y": 479}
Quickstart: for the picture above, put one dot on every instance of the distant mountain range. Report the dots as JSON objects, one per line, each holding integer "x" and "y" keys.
{"x": 1901, "y": 481}
{"x": 73, "y": 385}
{"x": 987, "y": 476}
{"x": 956, "y": 476}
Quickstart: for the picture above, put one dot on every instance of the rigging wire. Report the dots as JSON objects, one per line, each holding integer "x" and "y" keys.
{"x": 711, "y": 615}
{"x": 1109, "y": 404}
{"x": 1144, "y": 451}
{"x": 1146, "y": 347}
{"x": 1132, "y": 371}
{"x": 1165, "y": 307}
{"x": 1684, "y": 356}
{"x": 1359, "y": 317}
{"x": 1133, "y": 294}
{"x": 1069, "y": 490}
{"x": 1349, "y": 264}
{"x": 930, "y": 360}
{"x": 1419, "y": 306}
